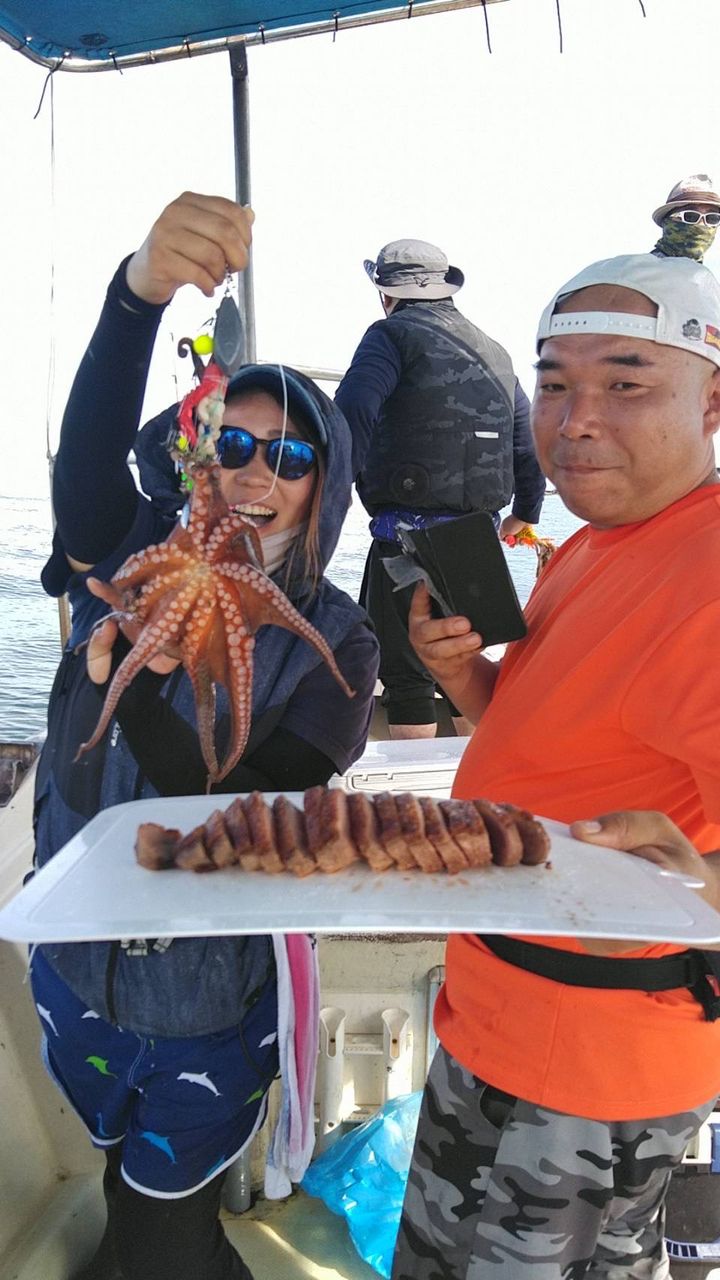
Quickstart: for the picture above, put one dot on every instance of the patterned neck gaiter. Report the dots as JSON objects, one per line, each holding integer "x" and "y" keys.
{"x": 681, "y": 240}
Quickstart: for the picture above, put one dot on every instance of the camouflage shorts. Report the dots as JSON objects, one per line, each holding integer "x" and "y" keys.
{"x": 500, "y": 1186}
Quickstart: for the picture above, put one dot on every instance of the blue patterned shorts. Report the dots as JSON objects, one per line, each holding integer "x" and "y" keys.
{"x": 183, "y": 1108}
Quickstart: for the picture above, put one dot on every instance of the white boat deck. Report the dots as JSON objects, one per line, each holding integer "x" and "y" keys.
{"x": 296, "y": 1238}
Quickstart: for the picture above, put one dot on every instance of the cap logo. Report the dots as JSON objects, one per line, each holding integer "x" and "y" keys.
{"x": 712, "y": 336}
{"x": 692, "y": 329}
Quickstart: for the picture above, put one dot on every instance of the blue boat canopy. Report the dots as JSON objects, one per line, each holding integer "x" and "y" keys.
{"x": 92, "y": 35}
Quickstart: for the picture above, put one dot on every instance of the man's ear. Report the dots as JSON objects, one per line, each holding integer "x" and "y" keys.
{"x": 711, "y": 417}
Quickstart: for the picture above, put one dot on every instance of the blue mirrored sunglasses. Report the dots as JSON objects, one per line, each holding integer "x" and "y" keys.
{"x": 290, "y": 458}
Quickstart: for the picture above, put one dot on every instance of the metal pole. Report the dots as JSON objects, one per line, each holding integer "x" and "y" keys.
{"x": 64, "y": 619}
{"x": 241, "y": 132}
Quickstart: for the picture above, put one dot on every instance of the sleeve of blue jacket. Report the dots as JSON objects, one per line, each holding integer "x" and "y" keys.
{"x": 373, "y": 376}
{"x": 529, "y": 479}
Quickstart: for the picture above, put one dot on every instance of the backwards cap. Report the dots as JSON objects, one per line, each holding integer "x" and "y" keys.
{"x": 686, "y": 294}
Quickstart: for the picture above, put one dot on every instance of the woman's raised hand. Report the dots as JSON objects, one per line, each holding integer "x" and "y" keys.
{"x": 102, "y": 639}
{"x": 195, "y": 240}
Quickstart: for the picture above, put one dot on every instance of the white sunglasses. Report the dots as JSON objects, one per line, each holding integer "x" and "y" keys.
{"x": 694, "y": 216}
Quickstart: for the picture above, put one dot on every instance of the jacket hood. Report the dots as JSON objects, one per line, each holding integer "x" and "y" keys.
{"x": 325, "y": 424}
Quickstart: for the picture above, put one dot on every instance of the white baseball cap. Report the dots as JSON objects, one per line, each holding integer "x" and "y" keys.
{"x": 686, "y": 294}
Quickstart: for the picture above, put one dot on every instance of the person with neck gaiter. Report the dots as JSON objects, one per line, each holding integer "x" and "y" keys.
{"x": 689, "y": 219}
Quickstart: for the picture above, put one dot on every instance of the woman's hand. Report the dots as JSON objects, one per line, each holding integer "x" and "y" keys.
{"x": 652, "y": 836}
{"x": 102, "y": 639}
{"x": 196, "y": 240}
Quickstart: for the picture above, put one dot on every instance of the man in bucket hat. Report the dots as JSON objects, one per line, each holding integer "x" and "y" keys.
{"x": 689, "y": 219}
{"x": 571, "y": 1075}
{"x": 440, "y": 429}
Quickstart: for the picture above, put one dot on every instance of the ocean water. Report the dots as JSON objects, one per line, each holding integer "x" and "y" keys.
{"x": 29, "y": 620}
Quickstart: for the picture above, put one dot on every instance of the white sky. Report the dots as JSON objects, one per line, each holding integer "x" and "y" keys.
{"x": 524, "y": 165}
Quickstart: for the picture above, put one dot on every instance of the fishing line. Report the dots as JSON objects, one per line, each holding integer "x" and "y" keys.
{"x": 559, "y": 18}
{"x": 283, "y": 435}
{"x": 487, "y": 25}
{"x": 63, "y": 604}
{"x": 50, "y": 385}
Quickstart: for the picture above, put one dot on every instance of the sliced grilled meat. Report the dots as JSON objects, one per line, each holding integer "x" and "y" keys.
{"x": 505, "y": 839}
{"x": 328, "y": 828}
{"x": 412, "y": 822}
{"x": 337, "y": 828}
{"x": 155, "y": 846}
{"x": 218, "y": 842}
{"x": 191, "y": 853}
{"x": 391, "y": 832}
{"x": 364, "y": 831}
{"x": 291, "y": 838}
{"x": 435, "y": 829}
{"x": 535, "y": 839}
{"x": 468, "y": 831}
{"x": 237, "y": 827}
{"x": 262, "y": 832}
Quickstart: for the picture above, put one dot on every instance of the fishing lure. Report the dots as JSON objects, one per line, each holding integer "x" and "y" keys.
{"x": 200, "y": 415}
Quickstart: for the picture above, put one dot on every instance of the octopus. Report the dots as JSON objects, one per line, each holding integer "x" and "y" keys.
{"x": 200, "y": 596}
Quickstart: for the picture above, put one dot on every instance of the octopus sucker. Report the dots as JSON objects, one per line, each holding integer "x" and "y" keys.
{"x": 201, "y": 596}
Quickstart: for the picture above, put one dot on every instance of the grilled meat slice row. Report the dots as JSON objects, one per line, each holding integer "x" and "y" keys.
{"x": 336, "y": 829}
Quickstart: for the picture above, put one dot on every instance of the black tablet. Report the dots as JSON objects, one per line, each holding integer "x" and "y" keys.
{"x": 465, "y": 561}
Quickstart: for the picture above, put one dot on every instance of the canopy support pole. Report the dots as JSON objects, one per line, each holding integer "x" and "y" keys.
{"x": 241, "y": 133}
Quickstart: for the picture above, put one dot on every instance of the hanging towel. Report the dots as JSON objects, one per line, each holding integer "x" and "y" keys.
{"x": 293, "y": 1139}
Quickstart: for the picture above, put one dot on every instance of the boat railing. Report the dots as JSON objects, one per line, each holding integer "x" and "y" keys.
{"x": 16, "y": 761}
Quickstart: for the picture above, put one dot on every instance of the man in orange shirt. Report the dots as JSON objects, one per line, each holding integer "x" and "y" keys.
{"x": 571, "y": 1076}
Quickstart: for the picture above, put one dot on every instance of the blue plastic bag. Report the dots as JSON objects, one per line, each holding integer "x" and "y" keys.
{"x": 362, "y": 1178}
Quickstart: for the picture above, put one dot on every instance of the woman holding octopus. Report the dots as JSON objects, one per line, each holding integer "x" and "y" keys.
{"x": 166, "y": 1048}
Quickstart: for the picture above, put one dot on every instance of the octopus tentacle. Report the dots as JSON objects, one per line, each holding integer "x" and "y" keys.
{"x": 204, "y": 693}
{"x": 154, "y": 561}
{"x": 207, "y": 507}
{"x": 239, "y": 646}
{"x": 266, "y": 603}
{"x": 153, "y": 639}
{"x": 198, "y": 666}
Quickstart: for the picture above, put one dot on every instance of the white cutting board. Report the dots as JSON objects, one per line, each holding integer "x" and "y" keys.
{"x": 94, "y": 889}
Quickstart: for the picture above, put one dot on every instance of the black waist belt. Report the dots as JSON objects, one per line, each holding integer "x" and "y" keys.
{"x": 697, "y": 970}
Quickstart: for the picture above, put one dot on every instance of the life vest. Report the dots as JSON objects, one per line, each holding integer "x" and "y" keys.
{"x": 444, "y": 441}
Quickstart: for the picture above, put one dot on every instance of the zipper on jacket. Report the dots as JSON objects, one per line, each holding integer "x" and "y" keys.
{"x": 110, "y": 973}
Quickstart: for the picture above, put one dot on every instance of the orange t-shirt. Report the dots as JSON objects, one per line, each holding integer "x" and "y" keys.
{"x": 612, "y": 701}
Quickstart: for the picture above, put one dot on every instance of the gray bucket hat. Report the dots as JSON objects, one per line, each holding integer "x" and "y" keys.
{"x": 414, "y": 269}
{"x": 697, "y": 189}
